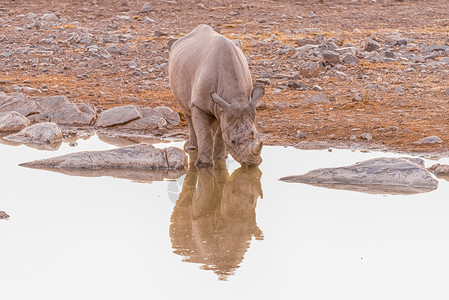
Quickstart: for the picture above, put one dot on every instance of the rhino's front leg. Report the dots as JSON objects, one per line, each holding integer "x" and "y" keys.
{"x": 202, "y": 126}
{"x": 192, "y": 143}
{"x": 219, "y": 146}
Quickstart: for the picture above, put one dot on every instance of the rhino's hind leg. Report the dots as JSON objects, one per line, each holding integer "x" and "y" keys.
{"x": 219, "y": 146}
{"x": 191, "y": 143}
{"x": 202, "y": 127}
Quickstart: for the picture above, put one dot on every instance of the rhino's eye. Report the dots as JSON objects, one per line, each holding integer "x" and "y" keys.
{"x": 233, "y": 142}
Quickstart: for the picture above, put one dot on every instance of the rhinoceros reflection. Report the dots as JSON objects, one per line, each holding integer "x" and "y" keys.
{"x": 214, "y": 219}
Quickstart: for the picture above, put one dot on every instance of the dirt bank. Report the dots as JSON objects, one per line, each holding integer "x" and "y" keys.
{"x": 112, "y": 53}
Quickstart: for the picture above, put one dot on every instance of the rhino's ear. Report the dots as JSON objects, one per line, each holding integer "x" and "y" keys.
{"x": 256, "y": 94}
{"x": 220, "y": 101}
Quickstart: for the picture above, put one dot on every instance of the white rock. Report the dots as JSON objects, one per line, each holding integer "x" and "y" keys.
{"x": 118, "y": 115}
{"x": 17, "y": 102}
{"x": 142, "y": 157}
{"x": 42, "y": 133}
{"x": 379, "y": 175}
{"x": 50, "y": 17}
{"x": 428, "y": 140}
{"x": 13, "y": 121}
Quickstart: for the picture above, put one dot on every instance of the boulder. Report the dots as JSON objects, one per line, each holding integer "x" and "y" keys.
{"x": 439, "y": 170}
{"x": 60, "y": 110}
{"x": 41, "y": 133}
{"x": 170, "y": 116}
{"x": 141, "y": 157}
{"x": 17, "y": 102}
{"x": 13, "y": 121}
{"x": 379, "y": 175}
{"x": 118, "y": 115}
{"x": 151, "y": 119}
{"x": 3, "y": 215}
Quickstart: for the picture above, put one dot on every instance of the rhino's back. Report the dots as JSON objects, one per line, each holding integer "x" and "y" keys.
{"x": 205, "y": 61}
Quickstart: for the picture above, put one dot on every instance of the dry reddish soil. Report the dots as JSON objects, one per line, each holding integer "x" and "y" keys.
{"x": 396, "y": 101}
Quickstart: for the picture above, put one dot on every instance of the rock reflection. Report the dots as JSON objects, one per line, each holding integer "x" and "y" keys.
{"x": 135, "y": 175}
{"x": 3, "y": 215}
{"x": 214, "y": 219}
{"x": 44, "y": 146}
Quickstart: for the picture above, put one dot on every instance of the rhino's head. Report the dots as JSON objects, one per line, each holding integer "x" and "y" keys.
{"x": 237, "y": 122}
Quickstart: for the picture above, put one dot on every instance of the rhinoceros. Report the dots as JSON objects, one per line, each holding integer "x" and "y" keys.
{"x": 211, "y": 82}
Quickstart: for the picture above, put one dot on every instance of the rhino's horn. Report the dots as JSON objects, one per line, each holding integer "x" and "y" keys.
{"x": 220, "y": 101}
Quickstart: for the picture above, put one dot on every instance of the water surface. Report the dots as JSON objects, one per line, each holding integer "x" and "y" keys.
{"x": 210, "y": 234}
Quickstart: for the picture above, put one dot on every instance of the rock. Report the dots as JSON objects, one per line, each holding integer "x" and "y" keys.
{"x": 439, "y": 170}
{"x": 306, "y": 41}
{"x": 350, "y": 59}
{"x": 264, "y": 81}
{"x": 428, "y": 140}
{"x": 327, "y": 45}
{"x": 159, "y": 33}
{"x": 238, "y": 43}
{"x": 366, "y": 136}
{"x": 436, "y": 47}
{"x": 447, "y": 92}
{"x": 309, "y": 69}
{"x": 301, "y": 134}
{"x": 59, "y": 110}
{"x": 371, "y": 45}
{"x": 50, "y": 17}
{"x": 372, "y": 57}
{"x": 141, "y": 157}
{"x": 150, "y": 120}
{"x": 331, "y": 57}
{"x": 118, "y": 115}
{"x": 146, "y": 7}
{"x": 42, "y": 133}
{"x": 17, "y": 102}
{"x": 261, "y": 106}
{"x": 318, "y": 98}
{"x": 379, "y": 175}
{"x": 3, "y": 215}
{"x": 389, "y": 54}
{"x": 297, "y": 85}
{"x": 169, "y": 115}
{"x": 347, "y": 50}
{"x": 13, "y": 121}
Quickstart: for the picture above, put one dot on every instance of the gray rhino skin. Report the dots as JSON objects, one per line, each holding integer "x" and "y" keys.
{"x": 211, "y": 82}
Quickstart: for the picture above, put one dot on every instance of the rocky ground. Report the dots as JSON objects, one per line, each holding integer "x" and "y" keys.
{"x": 373, "y": 74}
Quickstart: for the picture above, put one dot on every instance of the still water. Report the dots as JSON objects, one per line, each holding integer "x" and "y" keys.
{"x": 223, "y": 233}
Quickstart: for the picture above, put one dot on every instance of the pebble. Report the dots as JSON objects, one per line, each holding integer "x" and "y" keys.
{"x": 301, "y": 134}
{"x": 366, "y": 136}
